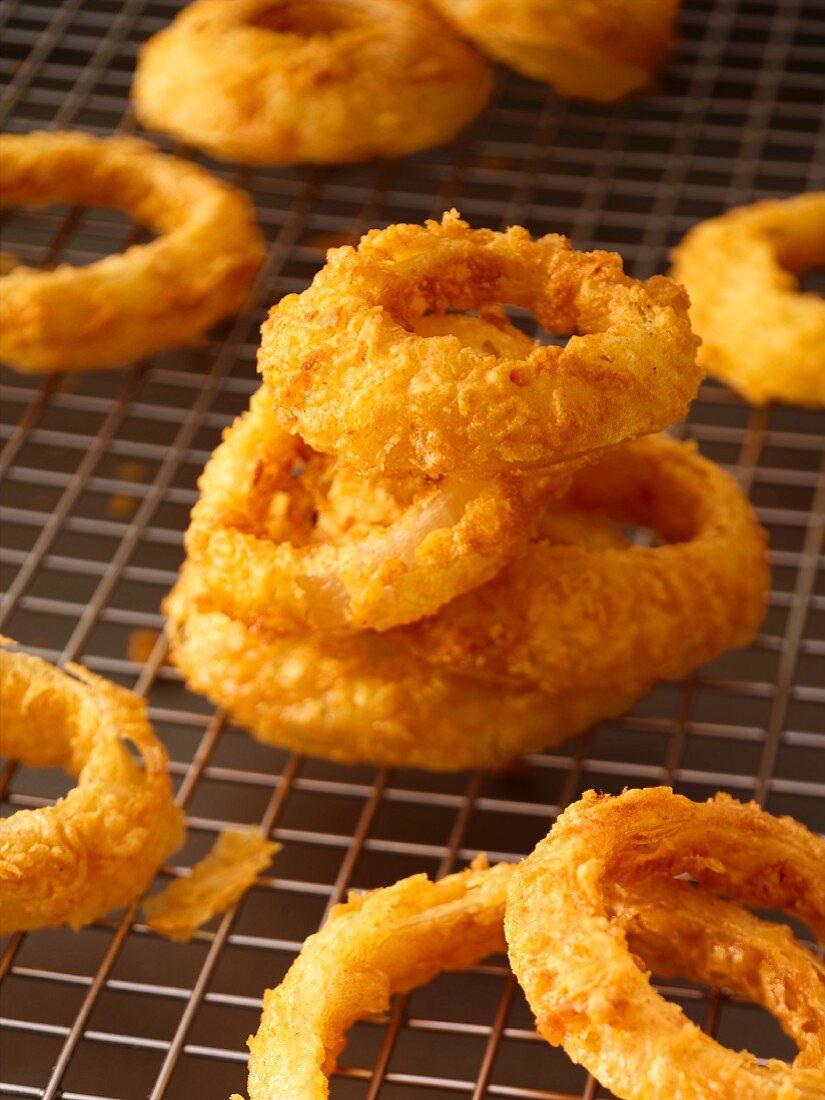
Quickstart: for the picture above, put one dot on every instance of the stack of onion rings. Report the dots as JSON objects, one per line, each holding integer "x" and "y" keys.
{"x": 147, "y": 299}
{"x": 599, "y": 50}
{"x": 364, "y": 696}
{"x": 443, "y": 582}
{"x": 759, "y": 333}
{"x": 577, "y": 627}
{"x": 322, "y": 81}
{"x": 573, "y": 944}
{"x": 590, "y": 974}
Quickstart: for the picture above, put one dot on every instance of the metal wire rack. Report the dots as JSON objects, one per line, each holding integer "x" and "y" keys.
{"x": 99, "y": 475}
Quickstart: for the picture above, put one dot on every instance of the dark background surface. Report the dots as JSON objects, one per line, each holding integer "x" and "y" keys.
{"x": 99, "y": 474}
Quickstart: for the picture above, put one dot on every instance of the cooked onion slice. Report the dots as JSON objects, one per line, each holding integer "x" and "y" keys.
{"x": 760, "y": 333}
{"x": 589, "y": 994}
{"x": 373, "y": 945}
{"x": 282, "y": 537}
{"x": 397, "y": 938}
{"x": 320, "y": 81}
{"x": 363, "y": 696}
{"x": 100, "y": 846}
{"x": 350, "y": 370}
{"x": 150, "y": 297}
{"x": 594, "y": 614}
{"x": 599, "y": 51}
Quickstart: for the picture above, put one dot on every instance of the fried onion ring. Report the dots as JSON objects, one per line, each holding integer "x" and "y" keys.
{"x": 395, "y": 939}
{"x": 590, "y": 50}
{"x": 350, "y": 373}
{"x": 261, "y": 538}
{"x": 587, "y": 989}
{"x": 579, "y": 617}
{"x": 150, "y": 297}
{"x": 577, "y": 628}
{"x": 760, "y": 334}
{"x": 100, "y": 846}
{"x": 364, "y": 696}
{"x": 680, "y": 931}
{"x": 386, "y": 941}
{"x": 322, "y": 81}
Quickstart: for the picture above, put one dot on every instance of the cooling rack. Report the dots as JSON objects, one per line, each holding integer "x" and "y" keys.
{"x": 99, "y": 474}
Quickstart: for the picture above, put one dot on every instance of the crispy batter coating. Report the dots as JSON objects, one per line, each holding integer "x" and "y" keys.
{"x": 583, "y": 617}
{"x": 588, "y": 991}
{"x": 680, "y": 931}
{"x": 150, "y": 297}
{"x": 576, "y": 628}
{"x": 350, "y": 373}
{"x": 394, "y": 939}
{"x": 282, "y": 536}
{"x": 589, "y": 49}
{"x": 365, "y": 696}
{"x": 98, "y": 847}
{"x": 220, "y": 879}
{"x": 376, "y": 944}
{"x": 760, "y": 333}
{"x": 322, "y": 81}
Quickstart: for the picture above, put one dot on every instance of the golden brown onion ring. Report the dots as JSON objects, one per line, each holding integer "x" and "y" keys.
{"x": 150, "y": 297}
{"x": 685, "y": 932}
{"x": 576, "y": 629}
{"x": 760, "y": 333}
{"x": 580, "y": 616}
{"x": 364, "y": 696}
{"x": 263, "y": 542}
{"x": 376, "y": 944}
{"x": 398, "y": 938}
{"x": 586, "y": 988}
{"x": 100, "y": 846}
{"x": 322, "y": 81}
{"x": 350, "y": 373}
{"x": 590, "y": 50}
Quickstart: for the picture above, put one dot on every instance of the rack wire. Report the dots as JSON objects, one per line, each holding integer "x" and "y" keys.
{"x": 99, "y": 474}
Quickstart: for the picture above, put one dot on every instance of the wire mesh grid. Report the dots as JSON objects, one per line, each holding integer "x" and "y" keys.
{"x": 99, "y": 474}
